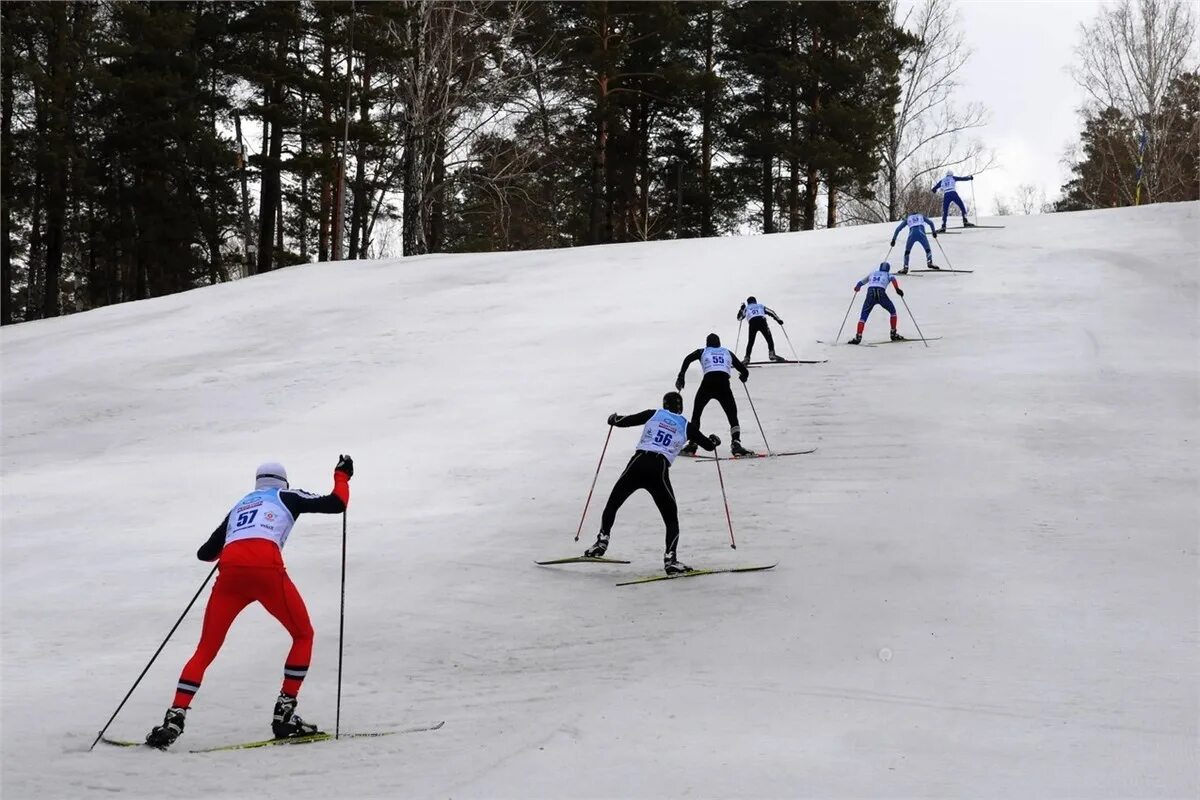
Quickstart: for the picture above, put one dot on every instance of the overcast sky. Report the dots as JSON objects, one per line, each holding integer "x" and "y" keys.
{"x": 1019, "y": 71}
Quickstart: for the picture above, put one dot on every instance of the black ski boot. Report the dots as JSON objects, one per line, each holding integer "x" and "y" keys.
{"x": 897, "y": 337}
{"x": 967, "y": 223}
{"x": 774, "y": 357}
{"x": 735, "y": 447}
{"x": 942, "y": 229}
{"x": 856, "y": 340}
{"x": 689, "y": 449}
{"x": 600, "y": 547}
{"x": 932, "y": 265}
{"x": 286, "y": 723}
{"x": 672, "y": 566}
{"x": 163, "y": 736}
{"x": 903, "y": 271}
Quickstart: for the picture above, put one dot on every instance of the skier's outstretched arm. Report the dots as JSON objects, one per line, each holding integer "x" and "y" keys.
{"x": 211, "y": 549}
{"x": 631, "y": 421}
{"x": 300, "y": 502}
{"x": 687, "y": 362}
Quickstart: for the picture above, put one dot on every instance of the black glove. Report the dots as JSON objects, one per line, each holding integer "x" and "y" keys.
{"x": 679, "y": 384}
{"x": 900, "y": 291}
{"x": 744, "y": 376}
{"x": 345, "y": 464}
{"x": 935, "y": 234}
{"x": 893, "y": 242}
{"x": 779, "y": 321}
{"x": 613, "y": 419}
{"x": 713, "y": 440}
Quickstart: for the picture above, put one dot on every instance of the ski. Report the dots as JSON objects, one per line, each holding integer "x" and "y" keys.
{"x": 787, "y": 361}
{"x": 907, "y": 341}
{"x": 913, "y": 271}
{"x": 581, "y": 560}
{"x": 696, "y": 572}
{"x": 316, "y": 737}
{"x": 983, "y": 226}
{"x": 756, "y": 455}
{"x": 834, "y": 344}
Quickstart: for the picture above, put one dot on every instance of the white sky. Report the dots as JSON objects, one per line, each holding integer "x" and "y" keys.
{"x": 1019, "y": 71}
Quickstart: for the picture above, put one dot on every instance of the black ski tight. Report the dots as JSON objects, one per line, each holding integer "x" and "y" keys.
{"x": 715, "y": 386}
{"x": 759, "y": 325}
{"x": 649, "y": 471}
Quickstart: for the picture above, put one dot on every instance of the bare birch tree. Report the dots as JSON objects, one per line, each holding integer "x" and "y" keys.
{"x": 930, "y": 128}
{"x": 1128, "y": 57}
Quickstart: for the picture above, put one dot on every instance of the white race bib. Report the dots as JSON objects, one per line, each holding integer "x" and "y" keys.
{"x": 879, "y": 279}
{"x": 260, "y": 515}
{"x": 716, "y": 359}
{"x": 665, "y": 433}
{"x": 916, "y": 220}
{"x": 755, "y": 310}
{"x": 947, "y": 184}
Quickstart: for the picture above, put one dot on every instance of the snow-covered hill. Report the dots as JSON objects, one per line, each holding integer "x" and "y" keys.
{"x": 987, "y": 580}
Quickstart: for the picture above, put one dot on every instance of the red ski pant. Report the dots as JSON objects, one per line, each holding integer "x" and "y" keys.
{"x": 236, "y": 588}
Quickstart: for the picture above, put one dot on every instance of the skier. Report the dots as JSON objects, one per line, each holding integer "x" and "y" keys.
{"x": 248, "y": 544}
{"x": 877, "y": 283}
{"x": 916, "y": 233}
{"x": 663, "y": 435}
{"x": 757, "y": 314}
{"x": 949, "y": 195}
{"x": 716, "y": 362}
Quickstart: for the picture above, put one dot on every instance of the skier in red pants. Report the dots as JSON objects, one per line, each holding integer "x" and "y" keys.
{"x": 248, "y": 543}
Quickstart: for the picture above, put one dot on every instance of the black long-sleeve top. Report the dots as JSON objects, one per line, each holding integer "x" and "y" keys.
{"x": 695, "y": 356}
{"x": 642, "y": 417}
{"x": 296, "y": 501}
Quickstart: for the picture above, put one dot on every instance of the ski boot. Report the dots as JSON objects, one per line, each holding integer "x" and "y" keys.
{"x": 774, "y": 357}
{"x": 897, "y": 337}
{"x": 600, "y": 547}
{"x": 932, "y": 265}
{"x": 967, "y": 223}
{"x": 689, "y": 449}
{"x": 286, "y": 723}
{"x": 856, "y": 340}
{"x": 942, "y": 229}
{"x": 735, "y": 447}
{"x": 903, "y": 271}
{"x": 163, "y": 736}
{"x": 672, "y": 567}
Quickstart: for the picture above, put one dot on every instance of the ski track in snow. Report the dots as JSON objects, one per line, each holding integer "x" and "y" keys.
{"x": 988, "y": 571}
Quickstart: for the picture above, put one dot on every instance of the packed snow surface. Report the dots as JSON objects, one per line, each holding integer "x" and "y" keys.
{"x": 987, "y": 580}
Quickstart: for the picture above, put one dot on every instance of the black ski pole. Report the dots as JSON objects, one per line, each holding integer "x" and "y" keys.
{"x": 725, "y": 499}
{"x": 738, "y": 340}
{"x": 939, "y": 244}
{"x": 594, "y": 477}
{"x": 843, "y": 325}
{"x": 914, "y": 319}
{"x": 760, "y": 428}
{"x": 337, "y": 719}
{"x": 789, "y": 341}
{"x": 153, "y": 657}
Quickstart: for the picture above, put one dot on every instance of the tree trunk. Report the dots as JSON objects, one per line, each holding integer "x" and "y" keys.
{"x": 437, "y": 210}
{"x": 831, "y": 211}
{"x": 7, "y": 64}
{"x": 767, "y": 163}
{"x": 599, "y": 210}
{"x": 706, "y": 129}
{"x": 325, "y": 212}
{"x": 247, "y": 241}
{"x": 58, "y": 162}
{"x": 793, "y": 130}
{"x": 271, "y": 179}
{"x": 358, "y": 214}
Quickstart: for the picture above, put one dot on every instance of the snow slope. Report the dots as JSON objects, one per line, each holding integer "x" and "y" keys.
{"x": 987, "y": 580}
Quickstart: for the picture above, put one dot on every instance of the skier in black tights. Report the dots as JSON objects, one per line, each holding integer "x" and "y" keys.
{"x": 756, "y": 313}
{"x": 664, "y": 433}
{"x": 717, "y": 363}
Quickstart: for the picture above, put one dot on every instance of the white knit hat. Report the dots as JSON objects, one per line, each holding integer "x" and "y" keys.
{"x": 270, "y": 475}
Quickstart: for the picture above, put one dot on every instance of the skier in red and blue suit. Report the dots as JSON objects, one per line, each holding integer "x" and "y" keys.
{"x": 949, "y": 195}
{"x": 916, "y": 233}
{"x": 877, "y": 283}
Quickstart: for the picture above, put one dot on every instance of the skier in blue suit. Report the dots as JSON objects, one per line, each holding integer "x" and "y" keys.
{"x": 916, "y": 233}
{"x": 949, "y": 195}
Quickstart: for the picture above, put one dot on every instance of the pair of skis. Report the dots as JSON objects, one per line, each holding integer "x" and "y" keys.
{"x": 316, "y": 737}
{"x": 692, "y": 573}
{"x": 885, "y": 341}
{"x": 787, "y": 361}
{"x": 698, "y": 457}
